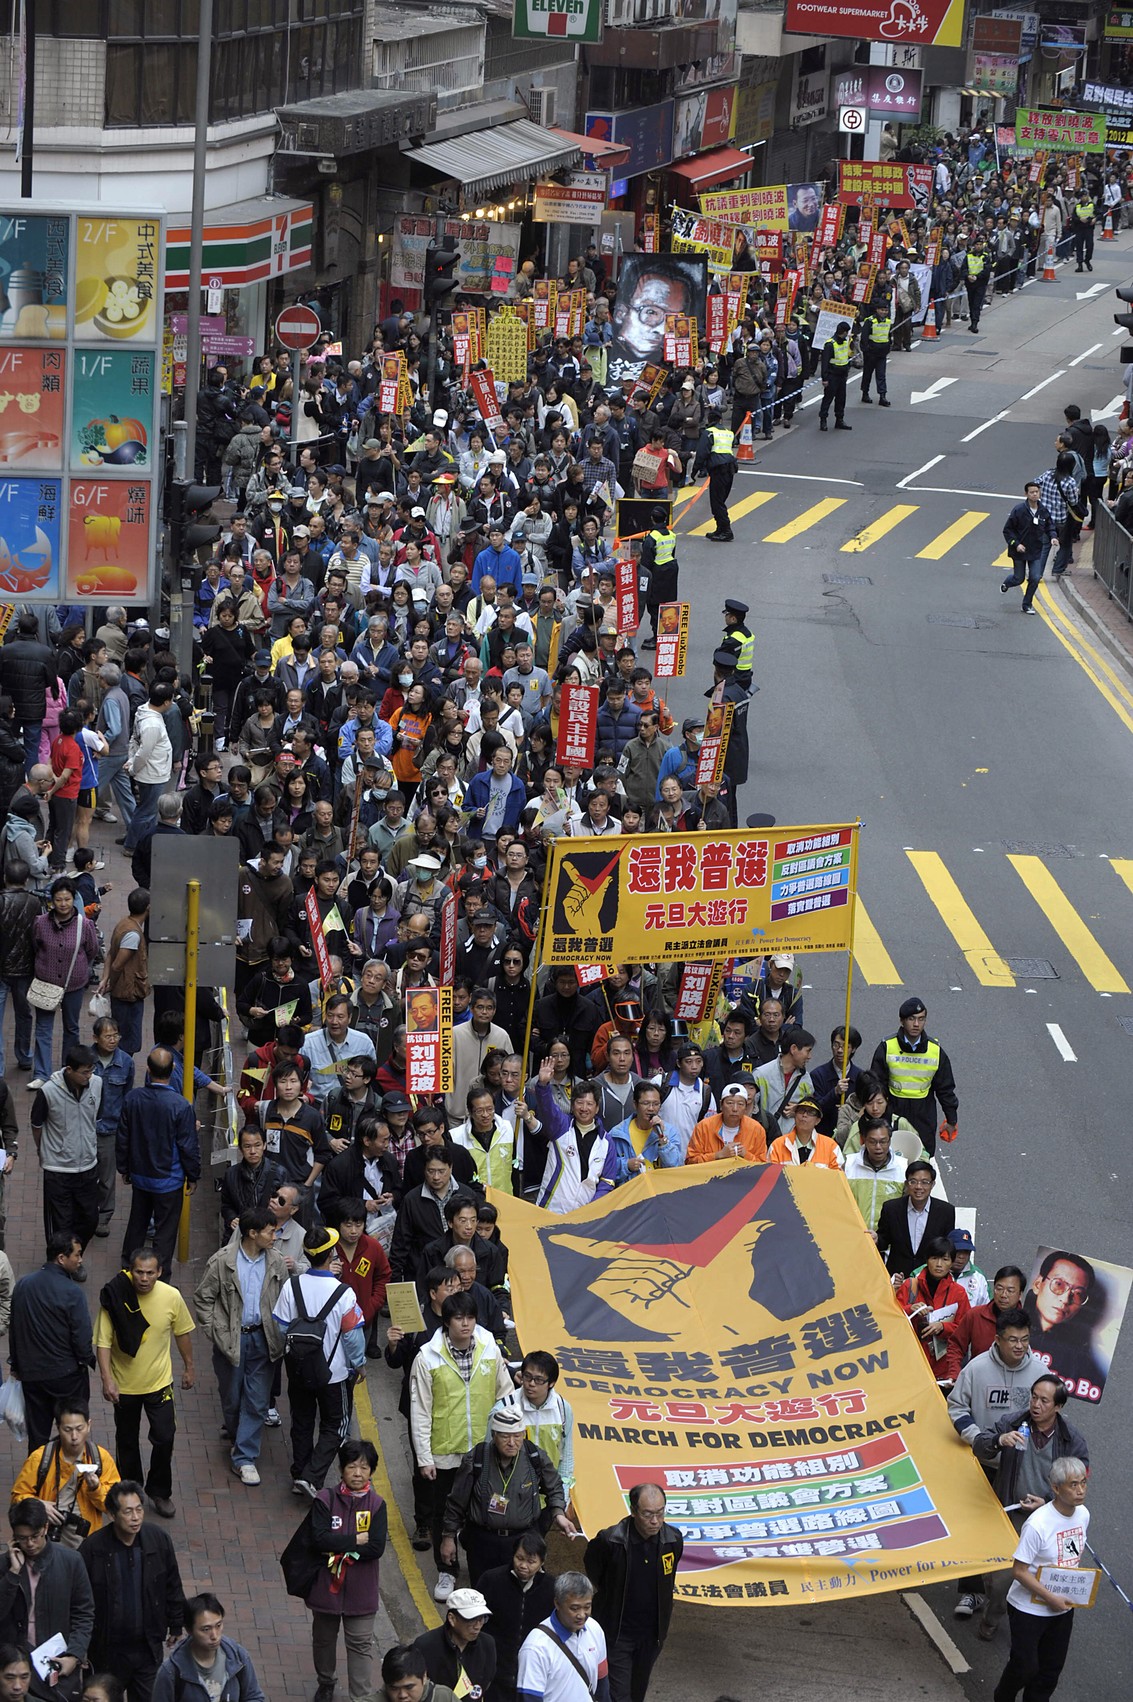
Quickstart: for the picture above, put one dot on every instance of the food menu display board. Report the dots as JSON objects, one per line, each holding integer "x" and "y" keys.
{"x": 81, "y": 312}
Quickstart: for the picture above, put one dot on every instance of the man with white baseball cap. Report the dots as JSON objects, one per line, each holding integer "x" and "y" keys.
{"x": 460, "y": 1654}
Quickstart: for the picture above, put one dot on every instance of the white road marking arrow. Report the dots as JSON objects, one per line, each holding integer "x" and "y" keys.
{"x": 934, "y": 389}
{"x": 1111, "y": 409}
{"x": 1094, "y": 289}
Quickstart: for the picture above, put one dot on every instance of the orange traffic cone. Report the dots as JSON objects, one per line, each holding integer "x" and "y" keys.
{"x": 1107, "y": 229}
{"x": 1048, "y": 262}
{"x": 930, "y": 332}
{"x": 745, "y": 449}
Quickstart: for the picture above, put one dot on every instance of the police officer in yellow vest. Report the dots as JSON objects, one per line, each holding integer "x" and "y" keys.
{"x": 716, "y": 456}
{"x": 916, "y": 1075}
{"x": 660, "y": 566}
{"x": 835, "y": 371}
{"x": 1082, "y": 225}
{"x": 876, "y": 336}
{"x": 974, "y": 274}
{"x": 738, "y": 638}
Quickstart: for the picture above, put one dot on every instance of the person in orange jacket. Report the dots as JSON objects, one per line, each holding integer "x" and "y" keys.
{"x": 731, "y": 1133}
{"x": 935, "y": 1290}
{"x": 806, "y": 1145}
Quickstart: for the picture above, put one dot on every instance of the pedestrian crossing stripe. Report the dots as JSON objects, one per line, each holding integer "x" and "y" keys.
{"x": 804, "y": 521}
{"x": 1084, "y": 952}
{"x": 952, "y": 535}
{"x": 880, "y": 528}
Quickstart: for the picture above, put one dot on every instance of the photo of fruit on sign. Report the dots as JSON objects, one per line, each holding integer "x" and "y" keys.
{"x": 114, "y": 442}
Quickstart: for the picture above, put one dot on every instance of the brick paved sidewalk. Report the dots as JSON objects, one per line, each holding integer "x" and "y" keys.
{"x": 228, "y": 1537}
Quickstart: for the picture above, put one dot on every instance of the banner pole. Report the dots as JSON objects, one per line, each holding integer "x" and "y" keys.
{"x": 850, "y": 957}
{"x": 536, "y": 961}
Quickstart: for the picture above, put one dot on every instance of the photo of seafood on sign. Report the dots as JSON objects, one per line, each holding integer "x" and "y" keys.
{"x": 30, "y": 519}
{"x": 108, "y": 539}
{"x": 32, "y": 396}
{"x": 116, "y": 270}
{"x": 112, "y": 408}
{"x": 33, "y": 278}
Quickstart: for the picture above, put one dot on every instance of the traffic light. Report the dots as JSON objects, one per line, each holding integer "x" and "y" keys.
{"x": 440, "y": 267}
{"x": 1125, "y": 320}
{"x": 188, "y": 532}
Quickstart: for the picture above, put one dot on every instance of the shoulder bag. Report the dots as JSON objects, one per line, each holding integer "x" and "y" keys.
{"x": 46, "y": 995}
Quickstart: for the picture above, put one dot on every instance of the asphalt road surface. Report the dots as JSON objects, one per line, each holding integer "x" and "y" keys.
{"x": 992, "y": 777}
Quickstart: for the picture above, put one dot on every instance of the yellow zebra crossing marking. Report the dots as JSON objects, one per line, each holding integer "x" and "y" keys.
{"x": 879, "y": 528}
{"x": 980, "y": 955}
{"x": 1124, "y": 868}
{"x": 876, "y": 966}
{"x": 951, "y": 536}
{"x": 736, "y": 512}
{"x": 804, "y": 521}
{"x": 1099, "y": 970}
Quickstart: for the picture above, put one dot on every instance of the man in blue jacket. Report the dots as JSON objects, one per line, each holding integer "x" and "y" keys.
{"x": 1030, "y": 531}
{"x": 499, "y": 560}
{"x": 617, "y": 719}
{"x": 194, "y": 1671}
{"x": 158, "y": 1152}
{"x": 496, "y": 797}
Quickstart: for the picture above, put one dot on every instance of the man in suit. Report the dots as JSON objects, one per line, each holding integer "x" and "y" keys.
{"x": 908, "y": 1223}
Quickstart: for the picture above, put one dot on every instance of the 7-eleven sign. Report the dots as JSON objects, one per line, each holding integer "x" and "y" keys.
{"x": 573, "y": 20}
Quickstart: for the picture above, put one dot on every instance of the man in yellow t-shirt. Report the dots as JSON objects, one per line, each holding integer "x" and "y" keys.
{"x": 138, "y": 1316}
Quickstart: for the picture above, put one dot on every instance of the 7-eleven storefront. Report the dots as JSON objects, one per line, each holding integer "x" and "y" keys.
{"x": 246, "y": 247}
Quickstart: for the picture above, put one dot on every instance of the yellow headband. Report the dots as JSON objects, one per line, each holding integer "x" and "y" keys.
{"x": 325, "y": 1246}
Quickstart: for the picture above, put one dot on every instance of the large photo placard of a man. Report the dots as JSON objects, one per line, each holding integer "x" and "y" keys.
{"x": 1076, "y": 1305}
{"x": 651, "y": 286}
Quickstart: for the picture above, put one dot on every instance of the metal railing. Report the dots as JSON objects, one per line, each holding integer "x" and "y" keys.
{"x": 1113, "y": 559}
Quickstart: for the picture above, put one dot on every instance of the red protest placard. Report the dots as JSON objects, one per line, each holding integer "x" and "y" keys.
{"x": 578, "y": 726}
{"x": 483, "y": 386}
{"x": 318, "y": 938}
{"x": 625, "y": 596}
{"x": 699, "y": 990}
{"x": 714, "y": 746}
{"x": 447, "y": 952}
{"x": 591, "y": 974}
{"x": 428, "y": 1040}
{"x": 672, "y": 641}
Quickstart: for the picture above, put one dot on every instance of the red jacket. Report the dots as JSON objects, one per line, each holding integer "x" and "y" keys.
{"x": 977, "y": 1333}
{"x": 367, "y": 1275}
{"x": 914, "y": 1292}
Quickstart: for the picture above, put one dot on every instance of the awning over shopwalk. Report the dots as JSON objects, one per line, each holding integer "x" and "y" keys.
{"x": 719, "y": 165}
{"x": 484, "y": 160}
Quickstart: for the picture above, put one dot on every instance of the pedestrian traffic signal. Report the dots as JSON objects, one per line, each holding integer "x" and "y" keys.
{"x": 1125, "y": 320}
{"x": 188, "y": 530}
{"x": 440, "y": 267}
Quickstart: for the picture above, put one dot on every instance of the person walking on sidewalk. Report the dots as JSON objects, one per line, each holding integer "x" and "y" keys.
{"x": 149, "y": 763}
{"x": 49, "y": 1337}
{"x": 159, "y": 1155}
{"x": 1041, "y": 1619}
{"x": 66, "y": 946}
{"x": 64, "y": 1120}
{"x": 348, "y": 1527}
{"x": 320, "y": 1377}
{"x": 138, "y": 1596}
{"x": 234, "y": 1299}
{"x": 115, "y": 1069}
{"x": 137, "y": 1318}
{"x": 207, "y": 1666}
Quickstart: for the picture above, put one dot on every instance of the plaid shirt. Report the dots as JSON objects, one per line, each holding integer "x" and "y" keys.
{"x": 1056, "y": 494}
{"x": 595, "y": 472}
{"x": 462, "y": 1356}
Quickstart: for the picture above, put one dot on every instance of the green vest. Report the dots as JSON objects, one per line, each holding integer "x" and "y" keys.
{"x": 664, "y": 547}
{"x": 493, "y": 1167}
{"x": 879, "y": 329}
{"x": 722, "y": 440}
{"x": 911, "y": 1073}
{"x": 745, "y": 656}
{"x": 460, "y": 1409}
{"x": 976, "y": 264}
{"x": 839, "y": 352}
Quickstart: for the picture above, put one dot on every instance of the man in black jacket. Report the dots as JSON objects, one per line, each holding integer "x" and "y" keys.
{"x": 634, "y": 1568}
{"x": 50, "y": 1343}
{"x": 503, "y": 1486}
{"x": 460, "y": 1654}
{"x": 138, "y": 1598}
{"x": 18, "y": 911}
{"x": 366, "y": 1171}
{"x": 1030, "y": 531}
{"x": 519, "y": 1596}
{"x": 27, "y": 669}
{"x": 44, "y": 1587}
{"x": 911, "y": 1222}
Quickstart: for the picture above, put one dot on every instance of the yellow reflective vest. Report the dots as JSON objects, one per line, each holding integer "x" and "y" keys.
{"x": 664, "y": 547}
{"x": 745, "y": 656}
{"x": 840, "y": 352}
{"x": 879, "y": 329}
{"x": 976, "y": 264}
{"x": 455, "y": 1418}
{"x": 723, "y": 440}
{"x": 911, "y": 1074}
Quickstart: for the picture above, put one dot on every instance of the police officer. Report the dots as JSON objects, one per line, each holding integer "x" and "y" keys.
{"x": 1085, "y": 214}
{"x": 835, "y": 371}
{"x": 660, "y": 567}
{"x": 716, "y": 456}
{"x": 974, "y": 276}
{"x": 736, "y": 755}
{"x": 915, "y": 1072}
{"x": 739, "y": 639}
{"x": 876, "y": 336}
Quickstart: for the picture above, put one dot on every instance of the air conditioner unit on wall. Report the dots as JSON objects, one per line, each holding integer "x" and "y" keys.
{"x": 541, "y": 104}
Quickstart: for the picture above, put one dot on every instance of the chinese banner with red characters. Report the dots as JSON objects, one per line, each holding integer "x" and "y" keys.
{"x": 657, "y": 897}
{"x": 625, "y": 596}
{"x": 591, "y": 974}
{"x": 884, "y": 183}
{"x": 698, "y": 991}
{"x": 428, "y": 1040}
{"x": 318, "y": 939}
{"x": 714, "y": 745}
{"x": 447, "y": 952}
{"x": 483, "y": 386}
{"x": 672, "y": 640}
{"x": 578, "y": 726}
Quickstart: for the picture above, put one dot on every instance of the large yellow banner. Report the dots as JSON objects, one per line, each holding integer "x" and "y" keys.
{"x": 766, "y": 207}
{"x": 730, "y": 1333}
{"x": 650, "y": 897}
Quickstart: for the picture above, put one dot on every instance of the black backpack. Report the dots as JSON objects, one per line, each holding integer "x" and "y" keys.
{"x": 304, "y": 1348}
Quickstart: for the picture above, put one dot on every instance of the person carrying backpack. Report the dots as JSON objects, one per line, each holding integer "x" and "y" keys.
{"x": 324, "y": 1347}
